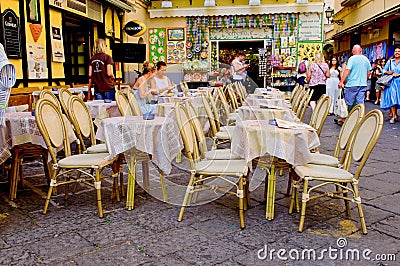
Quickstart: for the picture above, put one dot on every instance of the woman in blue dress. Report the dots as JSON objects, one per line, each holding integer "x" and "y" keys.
{"x": 142, "y": 90}
{"x": 391, "y": 94}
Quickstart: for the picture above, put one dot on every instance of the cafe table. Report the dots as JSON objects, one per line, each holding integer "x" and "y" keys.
{"x": 21, "y": 129}
{"x": 159, "y": 138}
{"x": 99, "y": 109}
{"x": 252, "y": 139}
{"x": 267, "y": 113}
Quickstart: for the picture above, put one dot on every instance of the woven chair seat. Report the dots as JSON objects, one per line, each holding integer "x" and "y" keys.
{"x": 223, "y": 154}
{"x": 323, "y": 172}
{"x": 224, "y": 135}
{"x": 231, "y": 167}
{"x": 323, "y": 159}
{"x": 85, "y": 160}
{"x": 229, "y": 129}
{"x": 99, "y": 148}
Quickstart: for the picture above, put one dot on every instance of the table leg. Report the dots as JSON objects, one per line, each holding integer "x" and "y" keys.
{"x": 269, "y": 211}
{"x": 130, "y": 190}
{"x": 146, "y": 178}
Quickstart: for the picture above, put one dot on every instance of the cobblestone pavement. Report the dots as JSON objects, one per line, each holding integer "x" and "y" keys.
{"x": 72, "y": 234}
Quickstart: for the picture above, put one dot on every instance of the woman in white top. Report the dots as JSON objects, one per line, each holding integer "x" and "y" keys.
{"x": 160, "y": 84}
{"x": 332, "y": 83}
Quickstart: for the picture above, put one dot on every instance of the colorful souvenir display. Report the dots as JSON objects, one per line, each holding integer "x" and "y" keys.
{"x": 157, "y": 45}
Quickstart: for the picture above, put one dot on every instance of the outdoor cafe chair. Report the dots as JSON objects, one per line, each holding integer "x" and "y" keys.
{"x": 314, "y": 177}
{"x": 133, "y": 101}
{"x": 48, "y": 94}
{"x": 53, "y": 129}
{"x": 63, "y": 96}
{"x": 203, "y": 173}
{"x": 124, "y": 107}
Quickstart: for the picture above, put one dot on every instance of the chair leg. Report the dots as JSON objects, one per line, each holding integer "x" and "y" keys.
{"x": 97, "y": 185}
{"x": 14, "y": 177}
{"x": 53, "y": 184}
{"x": 163, "y": 188}
{"x": 241, "y": 202}
{"x": 357, "y": 199}
{"x": 188, "y": 194}
{"x": 303, "y": 205}
{"x": 270, "y": 204}
{"x": 121, "y": 180}
{"x": 289, "y": 184}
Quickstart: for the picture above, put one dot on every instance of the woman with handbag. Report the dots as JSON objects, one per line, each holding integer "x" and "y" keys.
{"x": 391, "y": 93}
{"x": 317, "y": 73}
{"x": 332, "y": 83}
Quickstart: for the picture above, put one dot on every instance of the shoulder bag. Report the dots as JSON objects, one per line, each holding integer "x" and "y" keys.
{"x": 385, "y": 79}
{"x": 323, "y": 71}
{"x": 340, "y": 108}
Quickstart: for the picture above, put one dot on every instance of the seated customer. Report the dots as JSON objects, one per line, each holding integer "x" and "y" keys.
{"x": 141, "y": 88}
{"x": 160, "y": 83}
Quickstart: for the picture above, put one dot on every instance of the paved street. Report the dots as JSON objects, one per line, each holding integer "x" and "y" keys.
{"x": 72, "y": 234}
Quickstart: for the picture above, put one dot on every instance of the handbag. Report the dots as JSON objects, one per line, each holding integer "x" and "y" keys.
{"x": 385, "y": 79}
{"x": 340, "y": 108}
{"x": 323, "y": 70}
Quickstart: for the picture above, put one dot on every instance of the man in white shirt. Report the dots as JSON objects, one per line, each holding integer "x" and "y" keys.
{"x": 238, "y": 66}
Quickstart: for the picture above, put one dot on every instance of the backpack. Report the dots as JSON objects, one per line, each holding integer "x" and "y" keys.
{"x": 302, "y": 67}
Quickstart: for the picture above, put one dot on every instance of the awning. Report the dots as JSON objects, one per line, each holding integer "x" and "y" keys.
{"x": 236, "y": 10}
{"x": 122, "y": 5}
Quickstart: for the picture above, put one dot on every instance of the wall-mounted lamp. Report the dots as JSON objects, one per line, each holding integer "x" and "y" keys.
{"x": 166, "y": 4}
{"x": 254, "y": 2}
{"x": 209, "y": 2}
{"x": 329, "y": 14}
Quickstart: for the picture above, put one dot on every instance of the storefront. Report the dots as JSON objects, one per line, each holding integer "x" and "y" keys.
{"x": 51, "y": 41}
{"x": 273, "y": 41}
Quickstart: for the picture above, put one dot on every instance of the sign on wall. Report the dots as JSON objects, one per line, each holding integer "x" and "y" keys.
{"x": 37, "y": 66}
{"x": 11, "y": 34}
{"x": 57, "y": 46}
{"x": 310, "y": 27}
{"x": 240, "y": 33}
{"x": 135, "y": 28}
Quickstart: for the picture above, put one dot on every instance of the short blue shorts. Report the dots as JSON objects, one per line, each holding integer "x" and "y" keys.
{"x": 354, "y": 95}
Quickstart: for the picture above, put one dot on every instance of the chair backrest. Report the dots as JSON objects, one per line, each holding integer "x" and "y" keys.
{"x": 197, "y": 127}
{"x": 295, "y": 92}
{"x": 353, "y": 118}
{"x": 232, "y": 97}
{"x": 123, "y": 104}
{"x": 52, "y": 127}
{"x": 210, "y": 114}
{"x": 63, "y": 95}
{"x": 238, "y": 86}
{"x": 223, "y": 105}
{"x": 320, "y": 113}
{"x": 188, "y": 136}
{"x": 184, "y": 87}
{"x": 20, "y": 96}
{"x": 298, "y": 97}
{"x": 137, "y": 111}
{"x": 301, "y": 111}
{"x": 48, "y": 94}
{"x": 82, "y": 121}
{"x": 366, "y": 134}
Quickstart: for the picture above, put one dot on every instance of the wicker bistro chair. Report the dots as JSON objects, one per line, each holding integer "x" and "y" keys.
{"x": 133, "y": 101}
{"x": 363, "y": 140}
{"x": 63, "y": 96}
{"x": 204, "y": 171}
{"x": 47, "y": 94}
{"x": 303, "y": 104}
{"x": 320, "y": 113}
{"x": 124, "y": 107}
{"x": 345, "y": 133}
{"x": 53, "y": 129}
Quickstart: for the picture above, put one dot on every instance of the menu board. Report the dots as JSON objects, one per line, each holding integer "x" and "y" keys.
{"x": 11, "y": 34}
{"x": 157, "y": 45}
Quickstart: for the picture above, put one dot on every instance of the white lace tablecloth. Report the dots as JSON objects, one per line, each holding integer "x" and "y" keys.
{"x": 262, "y": 100}
{"x": 195, "y": 99}
{"x": 21, "y": 128}
{"x": 255, "y": 138}
{"x": 159, "y": 137}
{"x": 275, "y": 93}
{"x": 99, "y": 110}
{"x": 254, "y": 113}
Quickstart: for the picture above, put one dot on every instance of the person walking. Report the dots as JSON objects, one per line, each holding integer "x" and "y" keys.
{"x": 357, "y": 70}
{"x": 101, "y": 72}
{"x": 378, "y": 73}
{"x": 332, "y": 83}
{"x": 317, "y": 73}
{"x": 238, "y": 67}
{"x": 391, "y": 94}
